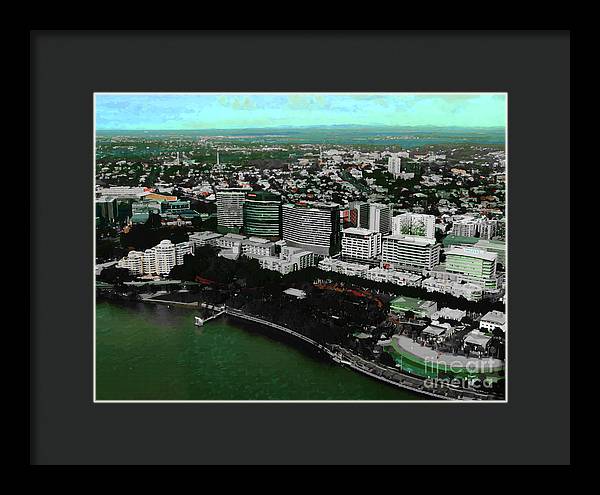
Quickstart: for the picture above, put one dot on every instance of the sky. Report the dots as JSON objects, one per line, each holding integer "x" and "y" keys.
{"x": 179, "y": 111}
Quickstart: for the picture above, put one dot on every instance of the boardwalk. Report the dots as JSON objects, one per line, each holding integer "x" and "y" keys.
{"x": 240, "y": 314}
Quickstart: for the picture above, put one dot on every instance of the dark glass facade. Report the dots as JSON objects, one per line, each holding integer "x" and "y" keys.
{"x": 262, "y": 215}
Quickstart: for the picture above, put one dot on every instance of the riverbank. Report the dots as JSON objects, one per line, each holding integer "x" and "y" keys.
{"x": 426, "y": 389}
{"x": 432, "y": 390}
{"x": 150, "y": 352}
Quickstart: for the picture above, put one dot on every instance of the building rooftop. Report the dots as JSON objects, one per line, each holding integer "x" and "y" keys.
{"x": 436, "y": 330}
{"x": 263, "y": 196}
{"x": 409, "y": 303}
{"x": 205, "y": 235}
{"x": 456, "y": 239}
{"x": 295, "y": 292}
{"x": 421, "y": 241}
{"x": 258, "y": 240}
{"x": 450, "y": 314}
{"x": 312, "y": 204}
{"x": 497, "y": 317}
{"x": 234, "y": 237}
{"x": 357, "y": 231}
{"x": 472, "y": 253}
{"x": 476, "y": 337}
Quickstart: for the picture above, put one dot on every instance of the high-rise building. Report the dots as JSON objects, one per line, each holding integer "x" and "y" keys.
{"x": 107, "y": 208}
{"x": 475, "y": 227}
{"x": 465, "y": 227}
{"x": 230, "y": 209}
{"x": 374, "y": 216}
{"x": 165, "y": 256}
{"x": 487, "y": 228}
{"x": 409, "y": 252}
{"x": 474, "y": 265}
{"x": 380, "y": 218}
{"x": 262, "y": 214}
{"x": 395, "y": 165}
{"x": 414, "y": 224}
{"x": 312, "y": 226}
{"x": 362, "y": 214}
{"x": 360, "y": 244}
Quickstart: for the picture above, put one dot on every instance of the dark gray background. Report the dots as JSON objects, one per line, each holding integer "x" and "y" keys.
{"x": 67, "y": 67}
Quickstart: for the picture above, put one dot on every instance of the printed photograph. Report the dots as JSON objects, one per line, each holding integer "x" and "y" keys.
{"x": 300, "y": 247}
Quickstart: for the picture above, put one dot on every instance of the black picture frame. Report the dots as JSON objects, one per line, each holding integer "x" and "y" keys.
{"x": 67, "y": 67}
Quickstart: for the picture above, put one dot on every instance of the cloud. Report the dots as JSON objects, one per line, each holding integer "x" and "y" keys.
{"x": 199, "y": 110}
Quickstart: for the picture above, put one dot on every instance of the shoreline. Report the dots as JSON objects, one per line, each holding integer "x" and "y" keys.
{"x": 410, "y": 383}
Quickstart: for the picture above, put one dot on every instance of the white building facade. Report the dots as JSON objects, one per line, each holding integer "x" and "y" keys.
{"x": 410, "y": 252}
{"x": 158, "y": 260}
{"x": 360, "y": 244}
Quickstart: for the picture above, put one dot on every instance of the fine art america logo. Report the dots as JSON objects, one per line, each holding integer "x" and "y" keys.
{"x": 450, "y": 372}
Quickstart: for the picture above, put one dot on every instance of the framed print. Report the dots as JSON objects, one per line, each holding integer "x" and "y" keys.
{"x": 303, "y": 247}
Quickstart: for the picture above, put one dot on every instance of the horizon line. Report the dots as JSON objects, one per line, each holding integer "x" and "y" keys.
{"x": 316, "y": 126}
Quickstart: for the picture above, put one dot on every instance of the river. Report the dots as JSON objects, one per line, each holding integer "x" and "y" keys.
{"x": 148, "y": 352}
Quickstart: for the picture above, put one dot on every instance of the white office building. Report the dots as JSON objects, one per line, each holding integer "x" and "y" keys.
{"x": 312, "y": 227}
{"x": 257, "y": 246}
{"x": 230, "y": 208}
{"x": 360, "y": 244}
{"x": 475, "y": 227}
{"x": 230, "y": 241}
{"x": 409, "y": 252}
{"x": 465, "y": 227}
{"x": 395, "y": 165}
{"x": 380, "y": 218}
{"x": 289, "y": 260}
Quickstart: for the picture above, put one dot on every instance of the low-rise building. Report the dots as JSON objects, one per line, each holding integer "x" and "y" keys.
{"x": 471, "y": 292}
{"x": 199, "y": 239}
{"x": 419, "y": 307}
{"x": 394, "y": 277}
{"x": 343, "y": 267}
{"x": 257, "y": 246}
{"x": 477, "y": 341}
{"x": 493, "y": 319}
{"x": 230, "y": 241}
{"x": 449, "y": 314}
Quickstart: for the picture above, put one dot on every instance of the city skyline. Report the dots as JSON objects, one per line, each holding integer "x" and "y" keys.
{"x": 172, "y": 112}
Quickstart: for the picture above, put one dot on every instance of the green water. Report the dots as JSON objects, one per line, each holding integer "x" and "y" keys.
{"x": 146, "y": 352}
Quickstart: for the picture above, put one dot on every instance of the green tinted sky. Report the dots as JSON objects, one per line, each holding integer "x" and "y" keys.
{"x": 239, "y": 110}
